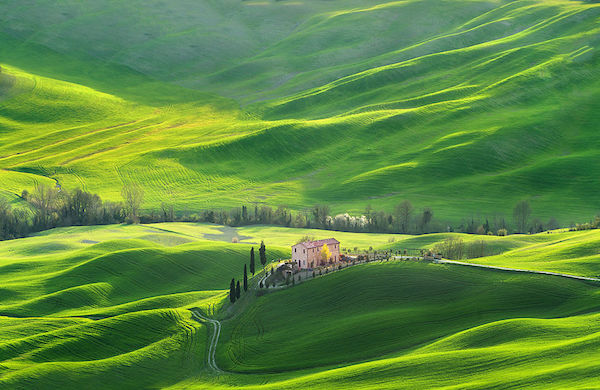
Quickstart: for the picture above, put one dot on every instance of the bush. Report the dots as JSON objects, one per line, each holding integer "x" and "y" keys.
{"x": 502, "y": 232}
{"x": 305, "y": 239}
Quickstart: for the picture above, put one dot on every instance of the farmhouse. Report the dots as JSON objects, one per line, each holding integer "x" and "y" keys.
{"x": 308, "y": 254}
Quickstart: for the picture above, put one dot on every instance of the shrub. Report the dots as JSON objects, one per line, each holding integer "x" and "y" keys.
{"x": 502, "y": 232}
{"x": 305, "y": 239}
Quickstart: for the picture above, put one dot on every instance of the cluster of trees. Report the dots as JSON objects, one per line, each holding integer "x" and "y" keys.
{"x": 595, "y": 224}
{"x": 404, "y": 220}
{"x": 235, "y": 288}
{"x": 51, "y": 207}
{"x": 455, "y": 248}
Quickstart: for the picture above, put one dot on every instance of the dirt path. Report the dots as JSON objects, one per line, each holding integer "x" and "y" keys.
{"x": 214, "y": 340}
{"x": 518, "y": 270}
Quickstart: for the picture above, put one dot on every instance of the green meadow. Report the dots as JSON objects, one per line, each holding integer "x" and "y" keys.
{"x": 109, "y": 306}
{"x": 451, "y": 104}
{"x": 464, "y": 106}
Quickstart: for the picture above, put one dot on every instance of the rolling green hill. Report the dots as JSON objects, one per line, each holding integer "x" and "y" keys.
{"x": 400, "y": 307}
{"x": 107, "y": 306}
{"x": 464, "y": 106}
{"x": 83, "y": 304}
{"x": 414, "y": 325}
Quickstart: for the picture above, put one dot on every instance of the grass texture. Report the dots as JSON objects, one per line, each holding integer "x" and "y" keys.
{"x": 464, "y": 106}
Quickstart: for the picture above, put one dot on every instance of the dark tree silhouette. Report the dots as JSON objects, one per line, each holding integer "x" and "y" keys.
{"x": 245, "y": 278}
{"x": 403, "y": 213}
{"x": 263, "y": 253}
{"x": 521, "y": 214}
{"x": 232, "y": 293}
{"x": 252, "y": 266}
{"x": 238, "y": 290}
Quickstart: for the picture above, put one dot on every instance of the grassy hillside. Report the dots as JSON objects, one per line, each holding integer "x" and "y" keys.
{"x": 464, "y": 106}
{"x": 562, "y": 251}
{"x": 570, "y": 253}
{"x": 400, "y": 307}
{"x": 121, "y": 276}
{"x": 415, "y": 325}
{"x": 85, "y": 304}
{"x": 134, "y": 350}
{"x": 80, "y": 305}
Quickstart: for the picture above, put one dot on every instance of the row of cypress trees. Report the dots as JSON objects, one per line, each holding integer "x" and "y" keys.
{"x": 235, "y": 288}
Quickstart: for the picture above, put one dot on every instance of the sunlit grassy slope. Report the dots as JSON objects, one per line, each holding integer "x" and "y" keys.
{"x": 576, "y": 253}
{"x": 81, "y": 305}
{"x": 106, "y": 307}
{"x": 559, "y": 251}
{"x": 408, "y": 325}
{"x": 464, "y": 106}
{"x": 400, "y": 307}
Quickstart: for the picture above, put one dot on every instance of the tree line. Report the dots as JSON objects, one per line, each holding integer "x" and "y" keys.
{"x": 48, "y": 207}
{"x": 405, "y": 219}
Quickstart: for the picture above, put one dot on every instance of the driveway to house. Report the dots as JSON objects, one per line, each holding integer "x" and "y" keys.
{"x": 517, "y": 270}
{"x": 214, "y": 339}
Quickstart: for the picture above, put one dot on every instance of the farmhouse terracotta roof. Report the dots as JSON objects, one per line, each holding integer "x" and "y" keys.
{"x": 318, "y": 243}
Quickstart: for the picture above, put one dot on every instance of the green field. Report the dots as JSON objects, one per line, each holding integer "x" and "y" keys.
{"x": 464, "y": 106}
{"x": 86, "y": 304}
{"x": 108, "y": 306}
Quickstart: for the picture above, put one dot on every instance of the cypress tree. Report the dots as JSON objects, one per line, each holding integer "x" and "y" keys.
{"x": 245, "y": 278}
{"x": 232, "y": 291}
{"x": 263, "y": 255}
{"x": 252, "y": 261}
{"x": 238, "y": 290}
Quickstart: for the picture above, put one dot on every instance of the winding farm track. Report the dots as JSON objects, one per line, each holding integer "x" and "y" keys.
{"x": 518, "y": 270}
{"x": 214, "y": 340}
